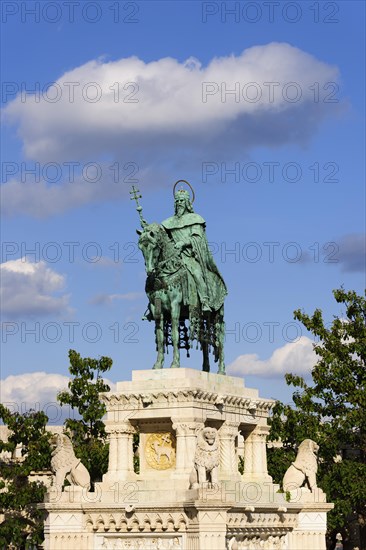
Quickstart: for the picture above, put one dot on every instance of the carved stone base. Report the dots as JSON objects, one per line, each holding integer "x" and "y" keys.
{"x": 155, "y": 509}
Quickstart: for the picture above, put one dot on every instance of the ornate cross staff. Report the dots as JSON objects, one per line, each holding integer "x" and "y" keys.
{"x": 135, "y": 196}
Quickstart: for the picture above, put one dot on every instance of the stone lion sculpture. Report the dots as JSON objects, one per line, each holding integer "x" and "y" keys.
{"x": 302, "y": 472}
{"x": 65, "y": 464}
{"x": 206, "y": 458}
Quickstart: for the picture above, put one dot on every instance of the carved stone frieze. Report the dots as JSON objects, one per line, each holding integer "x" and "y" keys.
{"x": 254, "y": 522}
{"x": 256, "y": 542}
{"x": 151, "y": 522}
{"x": 139, "y": 543}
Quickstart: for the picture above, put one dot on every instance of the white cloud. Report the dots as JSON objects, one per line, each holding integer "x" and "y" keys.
{"x": 351, "y": 253}
{"x": 168, "y": 100}
{"x": 106, "y": 262}
{"x": 28, "y": 289}
{"x": 39, "y": 199}
{"x": 296, "y": 358}
{"x": 170, "y": 122}
{"x": 108, "y": 299}
{"x": 31, "y": 388}
{"x": 38, "y": 391}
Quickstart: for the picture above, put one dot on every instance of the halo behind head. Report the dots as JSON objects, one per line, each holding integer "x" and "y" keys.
{"x": 184, "y": 190}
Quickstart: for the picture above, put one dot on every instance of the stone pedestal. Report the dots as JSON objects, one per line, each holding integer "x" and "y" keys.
{"x": 176, "y": 405}
{"x": 156, "y": 508}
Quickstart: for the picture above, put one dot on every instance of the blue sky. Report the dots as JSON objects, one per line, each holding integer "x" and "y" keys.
{"x": 139, "y": 92}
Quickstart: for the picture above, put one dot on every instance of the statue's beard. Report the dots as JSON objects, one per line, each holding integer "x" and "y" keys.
{"x": 180, "y": 211}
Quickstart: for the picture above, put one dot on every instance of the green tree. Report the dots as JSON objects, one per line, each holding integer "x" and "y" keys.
{"x": 22, "y": 523}
{"x": 88, "y": 433}
{"x": 332, "y": 411}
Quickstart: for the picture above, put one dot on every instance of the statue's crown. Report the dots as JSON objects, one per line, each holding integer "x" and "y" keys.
{"x": 182, "y": 193}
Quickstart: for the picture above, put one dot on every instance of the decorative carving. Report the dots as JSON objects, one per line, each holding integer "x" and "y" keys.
{"x": 206, "y": 458}
{"x": 65, "y": 464}
{"x": 70, "y": 541}
{"x": 148, "y": 522}
{"x": 187, "y": 428}
{"x": 253, "y": 522}
{"x": 160, "y": 451}
{"x": 262, "y": 542}
{"x": 122, "y": 428}
{"x": 179, "y": 427}
{"x": 147, "y": 400}
{"x": 151, "y": 543}
{"x": 303, "y": 470}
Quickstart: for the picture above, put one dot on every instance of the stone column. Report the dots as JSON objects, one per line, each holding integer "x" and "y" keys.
{"x": 228, "y": 462}
{"x": 120, "y": 466}
{"x": 248, "y": 458}
{"x": 180, "y": 433}
{"x": 186, "y": 437}
{"x": 113, "y": 449}
{"x": 255, "y": 455}
{"x": 192, "y": 428}
{"x": 130, "y": 450}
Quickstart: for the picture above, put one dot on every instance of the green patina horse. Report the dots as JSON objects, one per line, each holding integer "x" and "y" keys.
{"x": 174, "y": 299}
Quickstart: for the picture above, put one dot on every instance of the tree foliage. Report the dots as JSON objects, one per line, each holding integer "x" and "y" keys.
{"x": 22, "y": 523}
{"x": 331, "y": 410}
{"x": 88, "y": 432}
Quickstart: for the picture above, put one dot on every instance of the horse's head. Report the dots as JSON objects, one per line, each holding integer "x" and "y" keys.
{"x": 150, "y": 244}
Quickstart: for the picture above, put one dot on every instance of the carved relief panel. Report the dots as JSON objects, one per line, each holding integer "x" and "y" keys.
{"x": 160, "y": 451}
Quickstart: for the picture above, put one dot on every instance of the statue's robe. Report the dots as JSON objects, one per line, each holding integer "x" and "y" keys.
{"x": 190, "y": 230}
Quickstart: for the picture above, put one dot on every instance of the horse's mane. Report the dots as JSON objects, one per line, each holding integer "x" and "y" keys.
{"x": 162, "y": 237}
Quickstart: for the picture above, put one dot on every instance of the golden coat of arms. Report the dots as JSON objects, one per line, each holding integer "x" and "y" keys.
{"x": 160, "y": 451}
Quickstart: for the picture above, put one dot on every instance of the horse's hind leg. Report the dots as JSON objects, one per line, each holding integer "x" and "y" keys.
{"x": 221, "y": 369}
{"x": 159, "y": 335}
{"x": 205, "y": 356}
{"x": 175, "y": 310}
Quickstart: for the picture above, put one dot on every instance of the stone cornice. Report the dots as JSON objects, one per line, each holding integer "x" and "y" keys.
{"x": 227, "y": 402}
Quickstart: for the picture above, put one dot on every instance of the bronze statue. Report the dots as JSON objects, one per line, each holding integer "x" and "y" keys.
{"x": 183, "y": 283}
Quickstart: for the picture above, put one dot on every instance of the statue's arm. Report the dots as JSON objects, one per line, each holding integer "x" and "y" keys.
{"x": 185, "y": 241}
{"x": 198, "y": 230}
{"x": 199, "y": 240}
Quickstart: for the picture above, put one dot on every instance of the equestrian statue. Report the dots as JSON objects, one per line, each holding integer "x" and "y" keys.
{"x": 185, "y": 289}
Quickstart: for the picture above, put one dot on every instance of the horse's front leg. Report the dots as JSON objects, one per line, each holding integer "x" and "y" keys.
{"x": 175, "y": 312}
{"x": 221, "y": 369}
{"x": 221, "y": 340}
{"x": 159, "y": 335}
